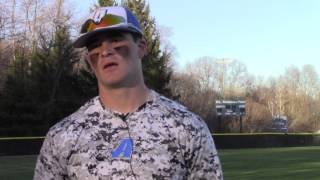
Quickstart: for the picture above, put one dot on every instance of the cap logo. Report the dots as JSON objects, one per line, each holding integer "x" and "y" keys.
{"x": 99, "y": 14}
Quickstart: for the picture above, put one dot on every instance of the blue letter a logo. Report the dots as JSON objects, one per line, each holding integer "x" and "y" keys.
{"x": 124, "y": 149}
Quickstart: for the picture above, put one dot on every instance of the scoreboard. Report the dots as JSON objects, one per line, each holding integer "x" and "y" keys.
{"x": 230, "y": 108}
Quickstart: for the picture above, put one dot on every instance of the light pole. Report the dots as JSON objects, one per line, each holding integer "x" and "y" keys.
{"x": 223, "y": 62}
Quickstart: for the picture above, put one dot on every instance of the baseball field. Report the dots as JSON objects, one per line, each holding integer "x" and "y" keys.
{"x": 290, "y": 163}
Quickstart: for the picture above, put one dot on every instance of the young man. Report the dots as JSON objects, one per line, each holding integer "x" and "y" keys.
{"x": 128, "y": 131}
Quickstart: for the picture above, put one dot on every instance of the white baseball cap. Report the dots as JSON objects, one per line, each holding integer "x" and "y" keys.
{"x": 105, "y": 19}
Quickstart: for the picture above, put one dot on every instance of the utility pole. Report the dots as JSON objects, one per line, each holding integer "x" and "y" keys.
{"x": 13, "y": 29}
{"x": 223, "y": 62}
{"x": 58, "y": 19}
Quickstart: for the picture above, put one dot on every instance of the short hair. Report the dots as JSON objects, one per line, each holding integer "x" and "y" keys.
{"x": 136, "y": 36}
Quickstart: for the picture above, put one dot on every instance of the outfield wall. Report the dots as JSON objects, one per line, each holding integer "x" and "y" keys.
{"x": 261, "y": 140}
{"x": 20, "y": 145}
{"x": 31, "y": 145}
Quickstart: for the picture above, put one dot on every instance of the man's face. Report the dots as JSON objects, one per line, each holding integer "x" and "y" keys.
{"x": 115, "y": 59}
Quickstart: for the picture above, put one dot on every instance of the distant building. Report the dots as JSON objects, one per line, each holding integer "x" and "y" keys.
{"x": 279, "y": 124}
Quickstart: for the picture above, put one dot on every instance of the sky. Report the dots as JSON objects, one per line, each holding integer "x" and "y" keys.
{"x": 268, "y": 36}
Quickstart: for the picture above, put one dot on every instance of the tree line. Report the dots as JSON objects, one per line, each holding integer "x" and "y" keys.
{"x": 294, "y": 94}
{"x": 43, "y": 78}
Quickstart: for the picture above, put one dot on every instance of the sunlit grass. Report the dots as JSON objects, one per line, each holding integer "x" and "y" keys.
{"x": 271, "y": 163}
{"x": 292, "y": 163}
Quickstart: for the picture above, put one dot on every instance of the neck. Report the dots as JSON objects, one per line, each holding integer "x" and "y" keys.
{"x": 124, "y": 100}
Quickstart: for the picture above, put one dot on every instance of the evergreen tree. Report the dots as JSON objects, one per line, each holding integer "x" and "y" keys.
{"x": 17, "y": 103}
{"x": 103, "y": 3}
{"x": 62, "y": 89}
{"x": 156, "y": 69}
{"x": 38, "y": 94}
{"x": 55, "y": 69}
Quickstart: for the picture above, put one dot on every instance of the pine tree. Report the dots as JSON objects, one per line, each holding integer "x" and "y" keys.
{"x": 60, "y": 55}
{"x": 62, "y": 89}
{"x": 17, "y": 103}
{"x": 156, "y": 69}
{"x": 37, "y": 95}
{"x": 103, "y": 3}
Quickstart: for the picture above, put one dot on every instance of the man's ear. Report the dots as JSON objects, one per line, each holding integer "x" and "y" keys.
{"x": 142, "y": 43}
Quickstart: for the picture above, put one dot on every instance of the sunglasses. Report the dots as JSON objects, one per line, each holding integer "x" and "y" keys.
{"x": 106, "y": 21}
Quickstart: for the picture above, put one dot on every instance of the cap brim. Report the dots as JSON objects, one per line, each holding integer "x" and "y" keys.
{"x": 84, "y": 38}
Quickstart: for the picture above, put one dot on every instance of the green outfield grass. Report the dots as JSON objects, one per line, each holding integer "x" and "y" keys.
{"x": 293, "y": 163}
{"x": 17, "y": 167}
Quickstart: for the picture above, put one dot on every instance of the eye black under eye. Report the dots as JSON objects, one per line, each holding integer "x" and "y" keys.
{"x": 118, "y": 48}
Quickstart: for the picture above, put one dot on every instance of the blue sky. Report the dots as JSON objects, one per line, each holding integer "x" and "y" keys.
{"x": 266, "y": 35}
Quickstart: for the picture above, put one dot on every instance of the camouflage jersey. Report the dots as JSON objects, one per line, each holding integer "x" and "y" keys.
{"x": 160, "y": 140}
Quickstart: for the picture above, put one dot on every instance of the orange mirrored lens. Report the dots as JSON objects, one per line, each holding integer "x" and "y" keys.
{"x": 106, "y": 21}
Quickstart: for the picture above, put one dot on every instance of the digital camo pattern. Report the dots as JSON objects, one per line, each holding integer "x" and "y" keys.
{"x": 160, "y": 140}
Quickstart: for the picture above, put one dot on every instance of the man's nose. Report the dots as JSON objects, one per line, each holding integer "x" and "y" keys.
{"x": 107, "y": 48}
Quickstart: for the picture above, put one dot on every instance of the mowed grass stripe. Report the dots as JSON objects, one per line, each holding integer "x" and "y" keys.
{"x": 292, "y": 163}
{"x": 17, "y": 167}
{"x": 271, "y": 163}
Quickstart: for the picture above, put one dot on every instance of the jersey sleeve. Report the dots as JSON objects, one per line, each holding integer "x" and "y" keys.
{"x": 202, "y": 157}
{"x": 49, "y": 166}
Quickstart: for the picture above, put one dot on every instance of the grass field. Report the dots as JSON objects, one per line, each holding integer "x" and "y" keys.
{"x": 17, "y": 167}
{"x": 294, "y": 163}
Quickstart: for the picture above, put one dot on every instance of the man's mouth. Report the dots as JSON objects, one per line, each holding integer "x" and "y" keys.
{"x": 109, "y": 65}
